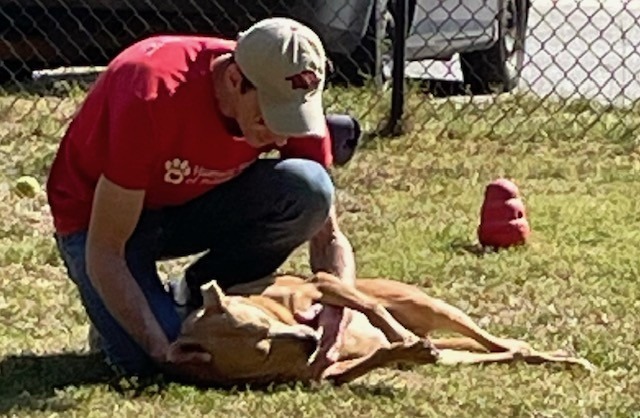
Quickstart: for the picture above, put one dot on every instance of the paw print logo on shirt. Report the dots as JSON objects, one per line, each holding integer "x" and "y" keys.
{"x": 176, "y": 170}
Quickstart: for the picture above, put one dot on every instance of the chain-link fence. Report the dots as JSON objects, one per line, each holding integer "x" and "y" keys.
{"x": 453, "y": 50}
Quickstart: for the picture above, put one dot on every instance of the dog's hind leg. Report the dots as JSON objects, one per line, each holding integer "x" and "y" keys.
{"x": 454, "y": 357}
{"x": 423, "y": 314}
{"x": 458, "y": 343}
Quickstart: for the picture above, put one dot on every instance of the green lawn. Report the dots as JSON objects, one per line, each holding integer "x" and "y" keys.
{"x": 410, "y": 206}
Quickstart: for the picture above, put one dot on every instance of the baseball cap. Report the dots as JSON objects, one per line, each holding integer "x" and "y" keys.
{"x": 286, "y": 62}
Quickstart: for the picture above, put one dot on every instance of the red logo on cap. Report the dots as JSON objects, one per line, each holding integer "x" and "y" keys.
{"x": 306, "y": 80}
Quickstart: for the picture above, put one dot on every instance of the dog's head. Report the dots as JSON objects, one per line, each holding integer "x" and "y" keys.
{"x": 246, "y": 343}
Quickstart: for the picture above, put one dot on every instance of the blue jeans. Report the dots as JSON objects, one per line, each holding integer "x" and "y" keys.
{"x": 247, "y": 228}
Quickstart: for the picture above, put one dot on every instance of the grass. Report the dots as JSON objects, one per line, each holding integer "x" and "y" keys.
{"x": 410, "y": 206}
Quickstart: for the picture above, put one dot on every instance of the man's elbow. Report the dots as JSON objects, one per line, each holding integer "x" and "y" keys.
{"x": 93, "y": 265}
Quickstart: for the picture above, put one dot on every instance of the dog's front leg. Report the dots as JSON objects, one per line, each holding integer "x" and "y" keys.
{"x": 335, "y": 292}
{"x": 418, "y": 352}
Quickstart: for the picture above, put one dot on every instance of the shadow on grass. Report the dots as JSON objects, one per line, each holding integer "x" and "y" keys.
{"x": 33, "y": 382}
{"x": 30, "y": 381}
{"x": 472, "y": 248}
{"x": 480, "y": 250}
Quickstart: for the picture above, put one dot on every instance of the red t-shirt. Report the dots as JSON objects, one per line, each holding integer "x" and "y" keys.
{"x": 150, "y": 122}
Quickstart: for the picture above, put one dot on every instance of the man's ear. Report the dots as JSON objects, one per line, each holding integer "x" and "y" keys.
{"x": 329, "y": 68}
{"x": 233, "y": 75}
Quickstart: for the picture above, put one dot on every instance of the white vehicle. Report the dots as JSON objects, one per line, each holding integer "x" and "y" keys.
{"x": 489, "y": 35}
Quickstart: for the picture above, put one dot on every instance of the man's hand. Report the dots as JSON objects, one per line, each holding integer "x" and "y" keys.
{"x": 333, "y": 321}
{"x": 181, "y": 354}
{"x": 185, "y": 362}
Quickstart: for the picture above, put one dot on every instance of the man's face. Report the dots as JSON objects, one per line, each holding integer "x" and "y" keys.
{"x": 252, "y": 124}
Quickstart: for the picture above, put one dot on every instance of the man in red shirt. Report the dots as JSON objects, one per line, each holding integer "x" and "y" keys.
{"x": 162, "y": 160}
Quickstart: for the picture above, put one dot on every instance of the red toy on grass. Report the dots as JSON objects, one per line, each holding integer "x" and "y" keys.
{"x": 503, "y": 217}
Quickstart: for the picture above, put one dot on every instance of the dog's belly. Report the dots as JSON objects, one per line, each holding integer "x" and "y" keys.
{"x": 361, "y": 338}
{"x": 294, "y": 294}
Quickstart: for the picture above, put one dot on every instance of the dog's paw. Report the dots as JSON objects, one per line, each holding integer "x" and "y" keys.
{"x": 421, "y": 350}
{"x": 565, "y": 356}
{"x": 586, "y": 364}
{"x": 411, "y": 340}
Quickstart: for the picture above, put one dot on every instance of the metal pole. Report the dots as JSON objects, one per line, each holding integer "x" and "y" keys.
{"x": 398, "y": 82}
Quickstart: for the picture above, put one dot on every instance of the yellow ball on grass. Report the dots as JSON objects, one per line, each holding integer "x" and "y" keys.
{"x": 27, "y": 186}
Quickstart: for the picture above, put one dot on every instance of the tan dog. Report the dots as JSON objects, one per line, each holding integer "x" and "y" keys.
{"x": 254, "y": 338}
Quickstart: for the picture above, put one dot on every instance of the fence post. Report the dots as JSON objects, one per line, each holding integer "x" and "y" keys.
{"x": 398, "y": 81}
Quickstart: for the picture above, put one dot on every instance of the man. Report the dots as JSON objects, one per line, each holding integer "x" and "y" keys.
{"x": 162, "y": 160}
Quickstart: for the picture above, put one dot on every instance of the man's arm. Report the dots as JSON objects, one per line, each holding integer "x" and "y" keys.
{"x": 114, "y": 217}
{"x": 331, "y": 251}
{"x": 115, "y": 213}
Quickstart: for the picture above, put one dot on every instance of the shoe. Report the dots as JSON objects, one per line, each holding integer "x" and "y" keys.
{"x": 95, "y": 339}
{"x": 345, "y": 133}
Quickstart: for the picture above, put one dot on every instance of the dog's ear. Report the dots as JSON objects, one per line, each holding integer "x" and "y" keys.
{"x": 212, "y": 296}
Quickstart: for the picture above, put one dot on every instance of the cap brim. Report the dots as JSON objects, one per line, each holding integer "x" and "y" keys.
{"x": 294, "y": 118}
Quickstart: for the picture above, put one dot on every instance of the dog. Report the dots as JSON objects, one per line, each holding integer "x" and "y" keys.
{"x": 255, "y": 336}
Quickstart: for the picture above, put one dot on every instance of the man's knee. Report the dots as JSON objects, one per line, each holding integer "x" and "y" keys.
{"x": 309, "y": 190}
